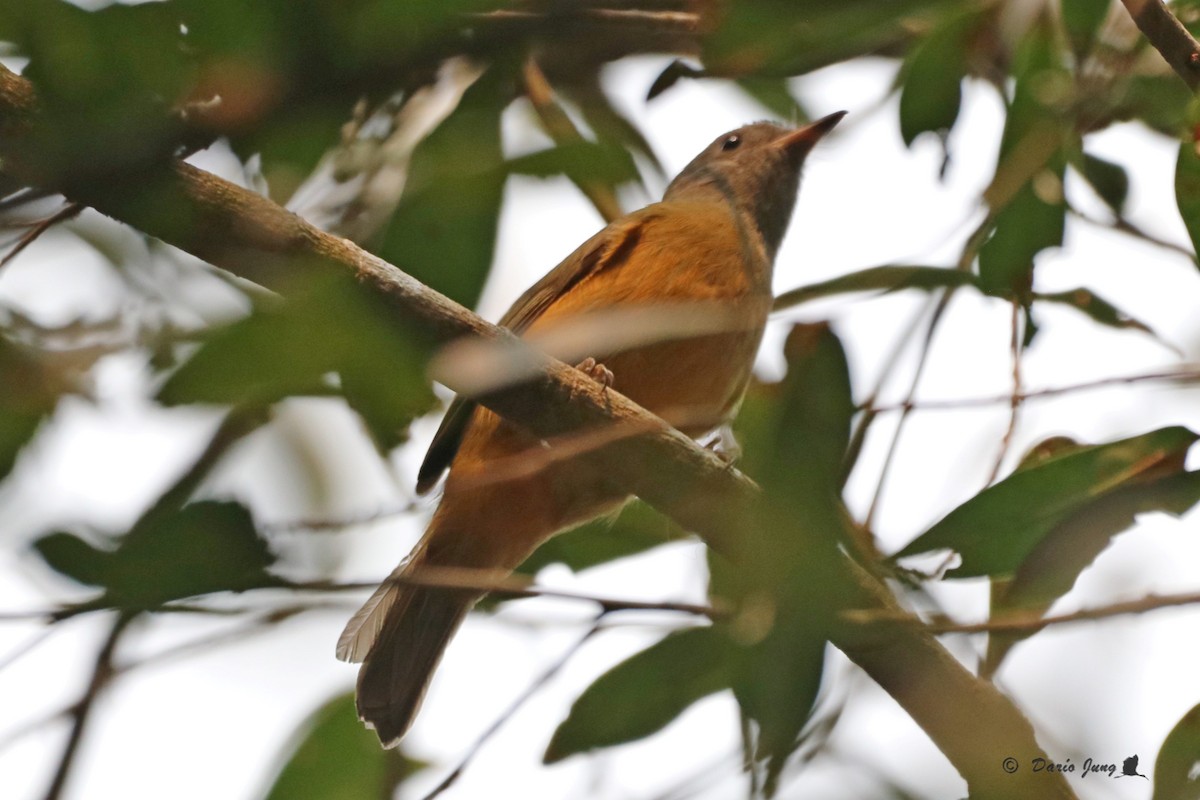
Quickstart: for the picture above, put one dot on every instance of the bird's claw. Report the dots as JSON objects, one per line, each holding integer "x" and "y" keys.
{"x": 597, "y": 372}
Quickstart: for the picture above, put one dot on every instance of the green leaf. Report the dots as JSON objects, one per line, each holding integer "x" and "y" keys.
{"x": 1110, "y": 180}
{"x": 996, "y": 531}
{"x": 775, "y": 95}
{"x": 443, "y": 232}
{"x": 776, "y": 685}
{"x": 787, "y": 587}
{"x": 336, "y": 758}
{"x": 932, "y": 76}
{"x": 878, "y": 279}
{"x": 582, "y": 162}
{"x": 672, "y": 74}
{"x": 333, "y": 325}
{"x": 68, "y": 555}
{"x": 1082, "y": 18}
{"x": 1026, "y": 194}
{"x": 106, "y": 83}
{"x": 1187, "y": 179}
{"x": 1176, "y": 773}
{"x": 29, "y": 390}
{"x": 1072, "y": 545}
{"x": 204, "y": 547}
{"x": 605, "y": 120}
{"x": 638, "y": 528}
{"x": 644, "y": 693}
{"x": 1096, "y": 307}
{"x": 769, "y": 37}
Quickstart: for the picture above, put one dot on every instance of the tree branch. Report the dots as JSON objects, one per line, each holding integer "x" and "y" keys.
{"x": 254, "y": 238}
{"x": 101, "y": 674}
{"x": 1169, "y": 37}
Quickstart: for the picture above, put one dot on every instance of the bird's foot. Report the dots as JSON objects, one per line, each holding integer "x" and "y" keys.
{"x": 725, "y": 445}
{"x": 597, "y": 372}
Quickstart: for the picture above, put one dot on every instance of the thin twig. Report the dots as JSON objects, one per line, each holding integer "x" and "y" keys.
{"x": 523, "y": 698}
{"x": 1015, "y": 401}
{"x": 1032, "y": 622}
{"x": 475, "y": 580}
{"x": 1169, "y": 37}
{"x": 922, "y": 360}
{"x": 965, "y": 259}
{"x": 102, "y": 672}
{"x": 204, "y": 644}
{"x": 1184, "y": 374}
{"x": 492, "y": 582}
{"x": 35, "y": 231}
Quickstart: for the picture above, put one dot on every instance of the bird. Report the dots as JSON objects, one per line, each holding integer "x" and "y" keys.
{"x": 710, "y": 243}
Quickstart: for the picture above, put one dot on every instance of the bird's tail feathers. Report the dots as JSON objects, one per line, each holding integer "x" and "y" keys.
{"x": 404, "y": 628}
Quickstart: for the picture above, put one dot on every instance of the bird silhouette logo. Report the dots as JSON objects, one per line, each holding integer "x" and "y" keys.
{"x": 1129, "y": 768}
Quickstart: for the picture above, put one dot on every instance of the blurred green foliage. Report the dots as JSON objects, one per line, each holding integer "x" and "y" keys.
{"x": 336, "y": 758}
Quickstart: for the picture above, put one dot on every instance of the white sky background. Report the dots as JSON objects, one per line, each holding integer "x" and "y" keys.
{"x": 211, "y": 726}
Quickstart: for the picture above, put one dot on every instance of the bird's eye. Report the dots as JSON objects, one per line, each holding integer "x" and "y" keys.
{"x": 731, "y": 143}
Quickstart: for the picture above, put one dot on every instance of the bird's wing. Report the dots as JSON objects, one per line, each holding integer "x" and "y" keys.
{"x": 608, "y": 249}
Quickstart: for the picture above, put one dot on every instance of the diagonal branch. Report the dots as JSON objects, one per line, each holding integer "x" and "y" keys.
{"x": 254, "y": 238}
{"x": 1169, "y": 37}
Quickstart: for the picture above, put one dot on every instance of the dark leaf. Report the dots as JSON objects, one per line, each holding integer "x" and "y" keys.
{"x": 1110, "y": 180}
{"x": 931, "y": 91}
{"x": 997, "y": 530}
{"x": 332, "y": 326}
{"x": 775, "y": 95}
{"x": 29, "y": 390}
{"x": 605, "y": 120}
{"x": 670, "y": 76}
{"x": 103, "y": 105}
{"x": 1082, "y": 18}
{"x": 1051, "y": 568}
{"x": 644, "y": 693}
{"x": 1175, "y": 774}
{"x": 638, "y": 528}
{"x": 878, "y": 279}
{"x": 1026, "y": 195}
{"x": 769, "y": 37}
{"x": 1187, "y": 184}
{"x": 68, "y": 555}
{"x": 443, "y": 232}
{"x": 336, "y": 758}
{"x": 205, "y": 547}
{"x": 1096, "y": 307}
{"x": 582, "y": 162}
{"x": 16, "y": 429}
{"x": 787, "y": 588}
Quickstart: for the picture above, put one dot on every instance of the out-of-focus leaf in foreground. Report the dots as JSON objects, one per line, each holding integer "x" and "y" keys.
{"x": 1187, "y": 176}
{"x": 786, "y": 587}
{"x": 336, "y": 758}
{"x": 1177, "y": 768}
{"x": 331, "y": 327}
{"x": 644, "y": 693}
{"x": 997, "y": 530}
{"x": 205, "y": 547}
{"x": 931, "y": 78}
{"x": 444, "y": 230}
{"x": 1026, "y": 194}
{"x": 637, "y": 529}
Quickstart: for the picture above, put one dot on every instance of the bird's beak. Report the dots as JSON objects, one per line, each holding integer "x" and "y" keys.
{"x": 801, "y": 140}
